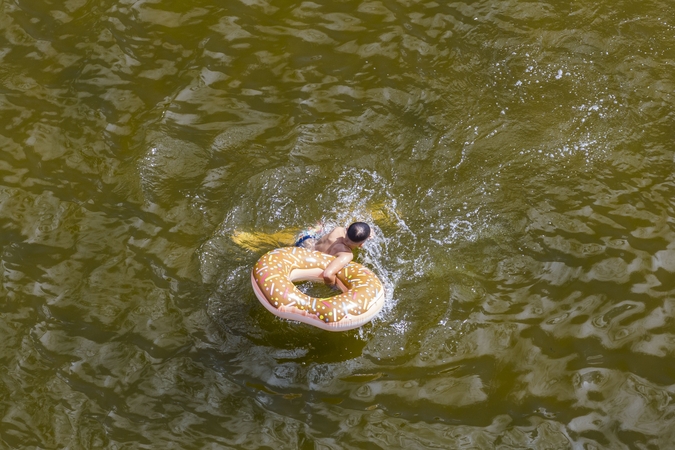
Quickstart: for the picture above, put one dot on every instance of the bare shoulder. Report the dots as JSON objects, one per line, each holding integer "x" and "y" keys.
{"x": 333, "y": 235}
{"x": 338, "y": 232}
{"x": 332, "y": 243}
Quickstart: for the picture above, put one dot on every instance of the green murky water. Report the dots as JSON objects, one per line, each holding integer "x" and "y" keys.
{"x": 516, "y": 159}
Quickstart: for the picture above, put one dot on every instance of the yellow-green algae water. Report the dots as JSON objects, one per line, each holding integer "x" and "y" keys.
{"x": 519, "y": 157}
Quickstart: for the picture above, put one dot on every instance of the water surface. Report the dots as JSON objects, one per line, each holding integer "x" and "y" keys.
{"x": 516, "y": 162}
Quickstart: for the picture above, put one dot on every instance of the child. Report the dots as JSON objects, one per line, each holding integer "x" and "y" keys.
{"x": 339, "y": 243}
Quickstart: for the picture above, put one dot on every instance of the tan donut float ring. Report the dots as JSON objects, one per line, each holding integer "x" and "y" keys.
{"x": 273, "y": 275}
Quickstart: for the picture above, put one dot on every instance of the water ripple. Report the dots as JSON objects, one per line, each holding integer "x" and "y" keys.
{"x": 515, "y": 160}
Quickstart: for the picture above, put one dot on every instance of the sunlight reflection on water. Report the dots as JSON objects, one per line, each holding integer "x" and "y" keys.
{"x": 514, "y": 159}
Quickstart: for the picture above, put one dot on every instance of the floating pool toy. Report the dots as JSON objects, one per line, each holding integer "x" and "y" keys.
{"x": 273, "y": 275}
{"x": 257, "y": 241}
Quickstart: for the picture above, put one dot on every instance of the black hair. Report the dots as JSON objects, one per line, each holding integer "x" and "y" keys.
{"x": 358, "y": 232}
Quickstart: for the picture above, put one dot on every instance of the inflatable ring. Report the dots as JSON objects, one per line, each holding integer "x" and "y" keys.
{"x": 273, "y": 275}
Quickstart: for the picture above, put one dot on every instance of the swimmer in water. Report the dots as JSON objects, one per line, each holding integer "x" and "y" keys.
{"x": 339, "y": 243}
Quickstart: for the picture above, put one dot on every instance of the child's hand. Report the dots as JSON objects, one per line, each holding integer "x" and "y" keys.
{"x": 330, "y": 280}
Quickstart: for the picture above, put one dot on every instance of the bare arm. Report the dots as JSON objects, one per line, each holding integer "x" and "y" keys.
{"x": 341, "y": 260}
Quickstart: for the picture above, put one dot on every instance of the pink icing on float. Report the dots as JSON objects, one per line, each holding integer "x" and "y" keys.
{"x": 273, "y": 275}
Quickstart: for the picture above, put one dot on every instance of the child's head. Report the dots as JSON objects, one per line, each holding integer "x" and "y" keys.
{"x": 358, "y": 232}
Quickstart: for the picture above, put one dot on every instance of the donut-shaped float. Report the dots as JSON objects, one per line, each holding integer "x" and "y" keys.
{"x": 273, "y": 275}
